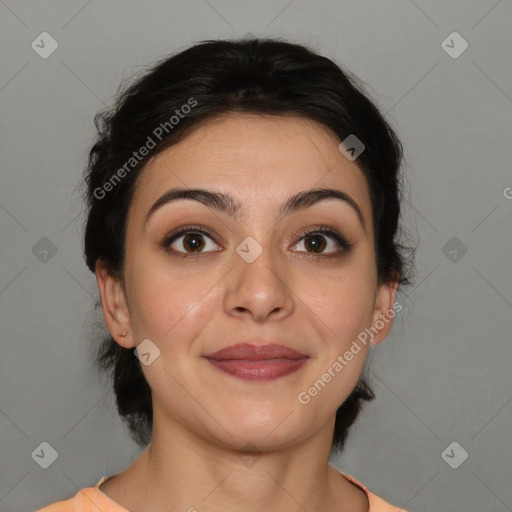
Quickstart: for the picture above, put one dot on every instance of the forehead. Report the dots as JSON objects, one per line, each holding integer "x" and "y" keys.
{"x": 260, "y": 159}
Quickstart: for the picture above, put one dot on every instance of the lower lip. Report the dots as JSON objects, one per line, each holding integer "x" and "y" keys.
{"x": 263, "y": 371}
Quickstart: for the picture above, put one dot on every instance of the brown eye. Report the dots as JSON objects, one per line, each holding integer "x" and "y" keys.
{"x": 190, "y": 241}
{"x": 194, "y": 241}
{"x": 315, "y": 242}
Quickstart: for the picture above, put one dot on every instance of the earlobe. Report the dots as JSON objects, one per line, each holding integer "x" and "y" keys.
{"x": 384, "y": 311}
{"x": 114, "y": 306}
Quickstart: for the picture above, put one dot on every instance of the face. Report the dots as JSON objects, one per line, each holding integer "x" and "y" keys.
{"x": 249, "y": 272}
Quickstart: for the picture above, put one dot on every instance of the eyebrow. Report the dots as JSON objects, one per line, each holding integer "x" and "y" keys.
{"x": 229, "y": 205}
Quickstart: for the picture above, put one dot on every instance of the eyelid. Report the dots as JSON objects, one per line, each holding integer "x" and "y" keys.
{"x": 192, "y": 228}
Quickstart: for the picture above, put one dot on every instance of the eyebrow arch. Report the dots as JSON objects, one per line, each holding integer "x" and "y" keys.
{"x": 229, "y": 205}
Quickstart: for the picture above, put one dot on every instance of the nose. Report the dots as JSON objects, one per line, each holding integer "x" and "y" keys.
{"x": 260, "y": 289}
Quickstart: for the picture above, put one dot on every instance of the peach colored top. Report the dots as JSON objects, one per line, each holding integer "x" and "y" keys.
{"x": 91, "y": 499}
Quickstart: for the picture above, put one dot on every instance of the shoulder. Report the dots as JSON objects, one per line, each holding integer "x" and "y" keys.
{"x": 377, "y": 504}
{"x": 89, "y": 499}
{"x": 61, "y": 506}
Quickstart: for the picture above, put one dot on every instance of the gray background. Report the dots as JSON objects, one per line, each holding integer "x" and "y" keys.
{"x": 443, "y": 375}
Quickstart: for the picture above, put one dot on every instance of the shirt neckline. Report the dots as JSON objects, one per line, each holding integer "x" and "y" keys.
{"x": 350, "y": 478}
{"x": 108, "y": 498}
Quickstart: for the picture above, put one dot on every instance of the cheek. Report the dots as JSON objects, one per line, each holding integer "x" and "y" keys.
{"x": 167, "y": 305}
{"x": 342, "y": 302}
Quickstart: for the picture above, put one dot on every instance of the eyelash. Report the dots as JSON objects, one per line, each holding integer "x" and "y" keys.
{"x": 320, "y": 230}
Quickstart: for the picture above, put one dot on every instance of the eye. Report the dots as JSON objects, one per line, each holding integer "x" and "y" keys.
{"x": 192, "y": 240}
{"x": 315, "y": 241}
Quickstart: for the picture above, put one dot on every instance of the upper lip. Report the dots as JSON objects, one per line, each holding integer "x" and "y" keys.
{"x": 252, "y": 352}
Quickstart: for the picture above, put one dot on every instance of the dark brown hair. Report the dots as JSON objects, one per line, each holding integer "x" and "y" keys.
{"x": 262, "y": 76}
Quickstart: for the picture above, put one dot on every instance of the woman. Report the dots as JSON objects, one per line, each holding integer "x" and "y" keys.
{"x": 243, "y": 206}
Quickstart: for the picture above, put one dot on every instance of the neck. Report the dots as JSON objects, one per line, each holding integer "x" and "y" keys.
{"x": 180, "y": 471}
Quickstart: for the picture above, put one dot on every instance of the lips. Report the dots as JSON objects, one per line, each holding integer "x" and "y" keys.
{"x": 257, "y": 362}
{"x": 256, "y": 352}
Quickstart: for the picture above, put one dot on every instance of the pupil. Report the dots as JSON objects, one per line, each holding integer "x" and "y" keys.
{"x": 316, "y": 246}
{"x": 194, "y": 241}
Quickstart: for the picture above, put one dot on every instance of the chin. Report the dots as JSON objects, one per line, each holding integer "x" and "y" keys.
{"x": 263, "y": 429}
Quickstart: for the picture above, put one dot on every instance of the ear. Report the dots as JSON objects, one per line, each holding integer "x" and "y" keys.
{"x": 384, "y": 311}
{"x": 114, "y": 306}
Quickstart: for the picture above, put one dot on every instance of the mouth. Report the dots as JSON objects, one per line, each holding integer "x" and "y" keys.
{"x": 257, "y": 362}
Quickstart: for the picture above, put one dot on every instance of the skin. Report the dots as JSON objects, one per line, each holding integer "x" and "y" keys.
{"x": 189, "y": 307}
